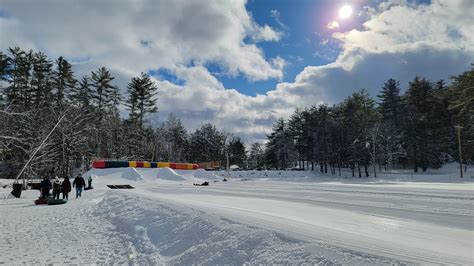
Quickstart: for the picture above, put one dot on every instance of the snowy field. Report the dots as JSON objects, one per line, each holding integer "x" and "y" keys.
{"x": 257, "y": 217}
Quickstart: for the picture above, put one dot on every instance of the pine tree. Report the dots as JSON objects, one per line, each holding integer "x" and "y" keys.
{"x": 237, "y": 152}
{"x": 82, "y": 94}
{"x": 141, "y": 98}
{"x": 461, "y": 103}
{"x": 64, "y": 81}
{"x": 41, "y": 82}
{"x": 176, "y": 139}
{"x": 391, "y": 110}
{"x": 18, "y": 75}
{"x": 102, "y": 89}
{"x": 420, "y": 129}
{"x": 391, "y": 103}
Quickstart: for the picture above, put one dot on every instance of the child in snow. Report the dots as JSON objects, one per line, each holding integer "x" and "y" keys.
{"x": 56, "y": 187}
{"x": 89, "y": 181}
{"x": 79, "y": 183}
{"x": 45, "y": 187}
{"x": 66, "y": 187}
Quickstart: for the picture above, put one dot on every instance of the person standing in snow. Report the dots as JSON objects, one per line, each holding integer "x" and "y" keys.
{"x": 45, "y": 187}
{"x": 79, "y": 183}
{"x": 56, "y": 187}
{"x": 66, "y": 187}
{"x": 89, "y": 181}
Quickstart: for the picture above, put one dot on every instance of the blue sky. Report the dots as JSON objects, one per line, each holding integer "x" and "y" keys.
{"x": 303, "y": 26}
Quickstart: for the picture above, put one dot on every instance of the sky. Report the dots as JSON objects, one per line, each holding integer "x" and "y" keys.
{"x": 240, "y": 64}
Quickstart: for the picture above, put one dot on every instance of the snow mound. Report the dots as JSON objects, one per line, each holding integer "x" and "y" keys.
{"x": 203, "y": 174}
{"x": 115, "y": 173}
{"x": 169, "y": 174}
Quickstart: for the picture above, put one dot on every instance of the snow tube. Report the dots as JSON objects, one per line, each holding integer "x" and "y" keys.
{"x": 101, "y": 164}
{"x": 56, "y": 201}
{"x": 41, "y": 201}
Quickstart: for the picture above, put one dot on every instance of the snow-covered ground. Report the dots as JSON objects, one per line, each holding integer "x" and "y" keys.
{"x": 257, "y": 217}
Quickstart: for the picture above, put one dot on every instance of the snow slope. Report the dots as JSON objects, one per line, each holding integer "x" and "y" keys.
{"x": 249, "y": 219}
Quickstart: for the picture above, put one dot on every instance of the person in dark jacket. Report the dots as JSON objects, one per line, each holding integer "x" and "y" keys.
{"x": 78, "y": 183}
{"x": 56, "y": 188}
{"x": 45, "y": 187}
{"x": 66, "y": 187}
{"x": 89, "y": 181}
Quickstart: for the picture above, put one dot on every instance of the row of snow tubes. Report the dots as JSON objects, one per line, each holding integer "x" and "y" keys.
{"x": 101, "y": 164}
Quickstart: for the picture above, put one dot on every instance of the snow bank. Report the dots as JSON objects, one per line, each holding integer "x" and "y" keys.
{"x": 449, "y": 173}
{"x": 115, "y": 174}
{"x": 168, "y": 174}
{"x": 208, "y": 175}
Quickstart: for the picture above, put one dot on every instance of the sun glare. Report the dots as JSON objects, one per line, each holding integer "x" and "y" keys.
{"x": 345, "y": 12}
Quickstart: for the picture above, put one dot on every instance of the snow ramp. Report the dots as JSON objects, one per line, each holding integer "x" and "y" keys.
{"x": 206, "y": 175}
{"x": 114, "y": 174}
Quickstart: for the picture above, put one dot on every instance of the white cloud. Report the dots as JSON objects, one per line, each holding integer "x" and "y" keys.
{"x": 397, "y": 41}
{"x": 266, "y": 33}
{"x": 332, "y": 25}
{"x": 113, "y": 33}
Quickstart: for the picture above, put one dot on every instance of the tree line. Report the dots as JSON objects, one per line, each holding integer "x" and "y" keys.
{"x": 417, "y": 129}
{"x": 36, "y": 92}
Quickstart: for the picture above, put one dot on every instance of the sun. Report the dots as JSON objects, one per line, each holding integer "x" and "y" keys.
{"x": 345, "y": 12}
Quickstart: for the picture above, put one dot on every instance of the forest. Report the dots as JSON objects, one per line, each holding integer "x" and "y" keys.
{"x": 418, "y": 129}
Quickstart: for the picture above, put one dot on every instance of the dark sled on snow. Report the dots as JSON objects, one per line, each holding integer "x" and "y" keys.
{"x": 42, "y": 201}
{"x": 203, "y": 184}
{"x": 120, "y": 186}
{"x": 88, "y": 188}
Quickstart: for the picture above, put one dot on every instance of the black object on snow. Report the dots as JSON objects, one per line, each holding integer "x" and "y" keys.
{"x": 203, "y": 184}
{"x": 120, "y": 186}
{"x": 16, "y": 192}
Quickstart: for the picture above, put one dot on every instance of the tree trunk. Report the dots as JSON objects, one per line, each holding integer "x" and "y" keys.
{"x": 358, "y": 166}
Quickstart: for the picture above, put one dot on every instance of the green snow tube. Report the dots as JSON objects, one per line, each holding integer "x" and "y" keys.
{"x": 56, "y": 201}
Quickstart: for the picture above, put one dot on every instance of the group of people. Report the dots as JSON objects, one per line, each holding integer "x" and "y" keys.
{"x": 63, "y": 187}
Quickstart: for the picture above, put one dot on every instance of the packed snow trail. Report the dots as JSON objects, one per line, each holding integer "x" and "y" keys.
{"x": 59, "y": 234}
{"x": 401, "y": 238}
{"x": 166, "y": 220}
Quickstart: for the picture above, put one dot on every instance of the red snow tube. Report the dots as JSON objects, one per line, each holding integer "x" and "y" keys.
{"x": 101, "y": 164}
{"x": 41, "y": 201}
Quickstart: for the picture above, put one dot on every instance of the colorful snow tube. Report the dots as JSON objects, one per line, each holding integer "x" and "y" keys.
{"x": 101, "y": 164}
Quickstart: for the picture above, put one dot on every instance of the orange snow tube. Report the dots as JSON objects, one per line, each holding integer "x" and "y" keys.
{"x": 101, "y": 164}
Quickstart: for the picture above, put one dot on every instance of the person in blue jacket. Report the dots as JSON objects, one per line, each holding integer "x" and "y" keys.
{"x": 79, "y": 183}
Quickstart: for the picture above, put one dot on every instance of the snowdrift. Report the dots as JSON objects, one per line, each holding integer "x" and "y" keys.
{"x": 206, "y": 175}
{"x": 168, "y": 174}
{"x": 114, "y": 174}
